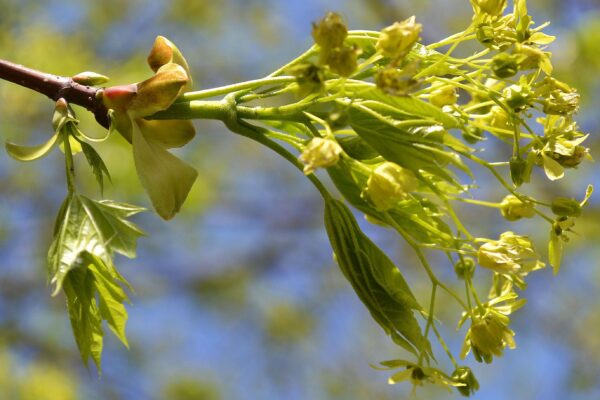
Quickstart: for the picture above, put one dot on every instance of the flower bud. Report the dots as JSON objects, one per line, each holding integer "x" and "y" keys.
{"x": 342, "y": 60}
{"x": 564, "y": 207}
{"x": 388, "y": 184}
{"x": 490, "y": 7}
{"x": 512, "y": 208}
{"x": 561, "y": 103}
{"x": 519, "y": 171}
{"x": 574, "y": 159}
{"x": 498, "y": 118}
{"x": 320, "y": 153}
{"x": 118, "y": 97}
{"x": 310, "y": 77}
{"x": 395, "y": 82}
{"x": 504, "y": 65}
{"x": 396, "y": 40}
{"x": 488, "y": 336}
{"x": 517, "y": 97}
{"x": 89, "y": 78}
{"x": 464, "y": 268}
{"x": 485, "y": 34}
{"x": 329, "y": 32}
{"x": 465, "y": 376}
{"x": 531, "y": 57}
{"x": 444, "y": 96}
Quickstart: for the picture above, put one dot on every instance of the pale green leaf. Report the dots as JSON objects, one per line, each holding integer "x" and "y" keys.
{"x": 110, "y": 299}
{"x": 86, "y": 322}
{"x": 99, "y": 169}
{"x": 166, "y": 178}
{"x": 108, "y": 220}
{"x": 99, "y": 228}
{"x": 409, "y": 105}
{"x": 375, "y": 279}
{"x": 409, "y": 148}
{"x": 30, "y": 153}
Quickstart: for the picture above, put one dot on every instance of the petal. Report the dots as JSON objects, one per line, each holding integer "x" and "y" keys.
{"x": 552, "y": 168}
{"x": 169, "y": 133}
{"x": 166, "y": 178}
{"x": 158, "y": 92}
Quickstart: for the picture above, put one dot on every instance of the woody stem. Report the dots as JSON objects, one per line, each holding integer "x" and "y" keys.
{"x": 56, "y": 87}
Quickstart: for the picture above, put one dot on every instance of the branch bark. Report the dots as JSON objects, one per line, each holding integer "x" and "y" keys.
{"x": 55, "y": 87}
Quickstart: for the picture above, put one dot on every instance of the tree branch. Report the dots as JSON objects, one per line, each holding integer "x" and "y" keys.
{"x": 56, "y": 87}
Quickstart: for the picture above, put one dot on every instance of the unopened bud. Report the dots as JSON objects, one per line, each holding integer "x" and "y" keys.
{"x": 564, "y": 207}
{"x": 90, "y": 78}
{"x": 485, "y": 34}
{"x": 396, "y": 40}
{"x": 444, "y": 96}
{"x": 118, "y": 97}
{"x": 573, "y": 160}
{"x": 505, "y": 65}
{"x": 395, "y": 82}
{"x": 562, "y": 103}
{"x": 388, "y": 184}
{"x": 491, "y": 7}
{"x": 330, "y": 32}
{"x": 464, "y": 268}
{"x": 320, "y": 153}
{"x": 512, "y": 208}
{"x": 517, "y": 97}
{"x": 342, "y": 60}
{"x": 465, "y": 376}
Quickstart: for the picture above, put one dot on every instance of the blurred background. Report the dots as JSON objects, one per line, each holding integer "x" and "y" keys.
{"x": 238, "y": 297}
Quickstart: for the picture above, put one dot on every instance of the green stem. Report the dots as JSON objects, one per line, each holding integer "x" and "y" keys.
{"x": 253, "y": 84}
{"x": 69, "y": 164}
{"x": 259, "y": 135}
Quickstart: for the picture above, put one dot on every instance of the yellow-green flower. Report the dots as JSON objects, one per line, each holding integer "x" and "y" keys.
{"x": 444, "y": 96}
{"x": 511, "y": 254}
{"x": 487, "y": 337}
{"x": 512, "y": 208}
{"x": 491, "y": 7}
{"x": 388, "y": 184}
{"x": 398, "y": 39}
{"x": 320, "y": 153}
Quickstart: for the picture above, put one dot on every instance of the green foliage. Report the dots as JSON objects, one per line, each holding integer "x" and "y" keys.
{"x": 375, "y": 279}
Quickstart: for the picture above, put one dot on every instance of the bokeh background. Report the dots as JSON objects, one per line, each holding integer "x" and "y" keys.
{"x": 238, "y": 297}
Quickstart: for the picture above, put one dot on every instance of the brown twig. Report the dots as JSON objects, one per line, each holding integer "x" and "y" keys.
{"x": 56, "y": 87}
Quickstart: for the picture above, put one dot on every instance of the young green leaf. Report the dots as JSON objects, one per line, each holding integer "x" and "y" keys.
{"x": 376, "y": 280}
{"x": 96, "y": 163}
{"x": 86, "y": 321}
{"x": 30, "y": 153}
{"x": 166, "y": 178}
{"x": 99, "y": 228}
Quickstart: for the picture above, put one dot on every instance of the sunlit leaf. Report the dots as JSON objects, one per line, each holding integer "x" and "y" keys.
{"x": 30, "y": 153}
{"x": 96, "y": 163}
{"x": 166, "y": 178}
{"x": 375, "y": 279}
